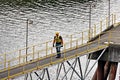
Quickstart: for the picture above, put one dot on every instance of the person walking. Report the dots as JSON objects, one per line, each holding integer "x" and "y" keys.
{"x": 58, "y": 43}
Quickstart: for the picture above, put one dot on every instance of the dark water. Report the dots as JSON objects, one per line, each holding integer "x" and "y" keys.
{"x": 65, "y": 16}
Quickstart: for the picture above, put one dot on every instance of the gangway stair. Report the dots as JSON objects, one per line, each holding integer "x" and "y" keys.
{"x": 51, "y": 60}
{"x": 104, "y": 39}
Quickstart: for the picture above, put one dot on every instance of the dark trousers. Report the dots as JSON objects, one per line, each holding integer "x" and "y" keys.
{"x": 58, "y": 47}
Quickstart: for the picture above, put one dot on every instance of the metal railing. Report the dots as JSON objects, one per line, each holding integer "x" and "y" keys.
{"x": 99, "y": 45}
{"x": 44, "y": 50}
{"x": 81, "y": 37}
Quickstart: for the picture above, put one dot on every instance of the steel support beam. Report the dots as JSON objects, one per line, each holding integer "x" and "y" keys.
{"x": 95, "y": 62}
{"x": 80, "y": 68}
{"x": 74, "y": 69}
{"x": 87, "y": 64}
{"x": 41, "y": 76}
{"x": 31, "y": 76}
{"x": 58, "y": 71}
{"x": 64, "y": 70}
{"x": 47, "y": 73}
{"x": 69, "y": 69}
{"x": 72, "y": 66}
{"x": 26, "y": 76}
{"x": 38, "y": 76}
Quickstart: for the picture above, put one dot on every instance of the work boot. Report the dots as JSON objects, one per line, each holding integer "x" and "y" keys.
{"x": 58, "y": 55}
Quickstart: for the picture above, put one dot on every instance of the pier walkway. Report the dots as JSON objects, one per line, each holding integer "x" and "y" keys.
{"x": 79, "y": 44}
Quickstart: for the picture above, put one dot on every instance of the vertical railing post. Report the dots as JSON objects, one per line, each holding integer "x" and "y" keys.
{"x": 99, "y": 40}
{"x": 82, "y": 38}
{"x": 38, "y": 64}
{"x": 77, "y": 43}
{"x": 51, "y": 59}
{"x": 88, "y": 34}
{"x": 33, "y": 51}
{"x": 71, "y": 41}
{"x": 51, "y": 55}
{"x": 87, "y": 45}
{"x": 5, "y": 60}
{"x": 8, "y": 69}
{"x": 64, "y": 51}
{"x": 23, "y": 69}
{"x": 19, "y": 56}
{"x": 51, "y": 50}
{"x": 94, "y": 30}
{"x": 91, "y": 33}
{"x": 46, "y": 49}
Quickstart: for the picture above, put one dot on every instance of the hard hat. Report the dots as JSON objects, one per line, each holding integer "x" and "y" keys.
{"x": 57, "y": 33}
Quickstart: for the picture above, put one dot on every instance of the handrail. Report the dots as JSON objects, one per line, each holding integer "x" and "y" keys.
{"x": 83, "y": 39}
{"x": 65, "y": 36}
{"x": 34, "y": 51}
{"x": 24, "y": 62}
{"x": 55, "y": 62}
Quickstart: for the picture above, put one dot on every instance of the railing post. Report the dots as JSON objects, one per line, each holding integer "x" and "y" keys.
{"x": 8, "y": 69}
{"x": 88, "y": 46}
{"x": 82, "y": 38}
{"x": 19, "y": 56}
{"x": 94, "y": 30}
{"x": 77, "y": 43}
{"x": 51, "y": 50}
{"x": 89, "y": 34}
{"x": 51, "y": 59}
{"x": 70, "y": 41}
{"x": 51, "y": 55}
{"x": 46, "y": 49}
{"x": 64, "y": 51}
{"x": 33, "y": 51}
{"x": 23, "y": 59}
{"x": 23, "y": 64}
{"x": 5, "y": 60}
{"x": 38, "y": 65}
{"x": 99, "y": 40}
